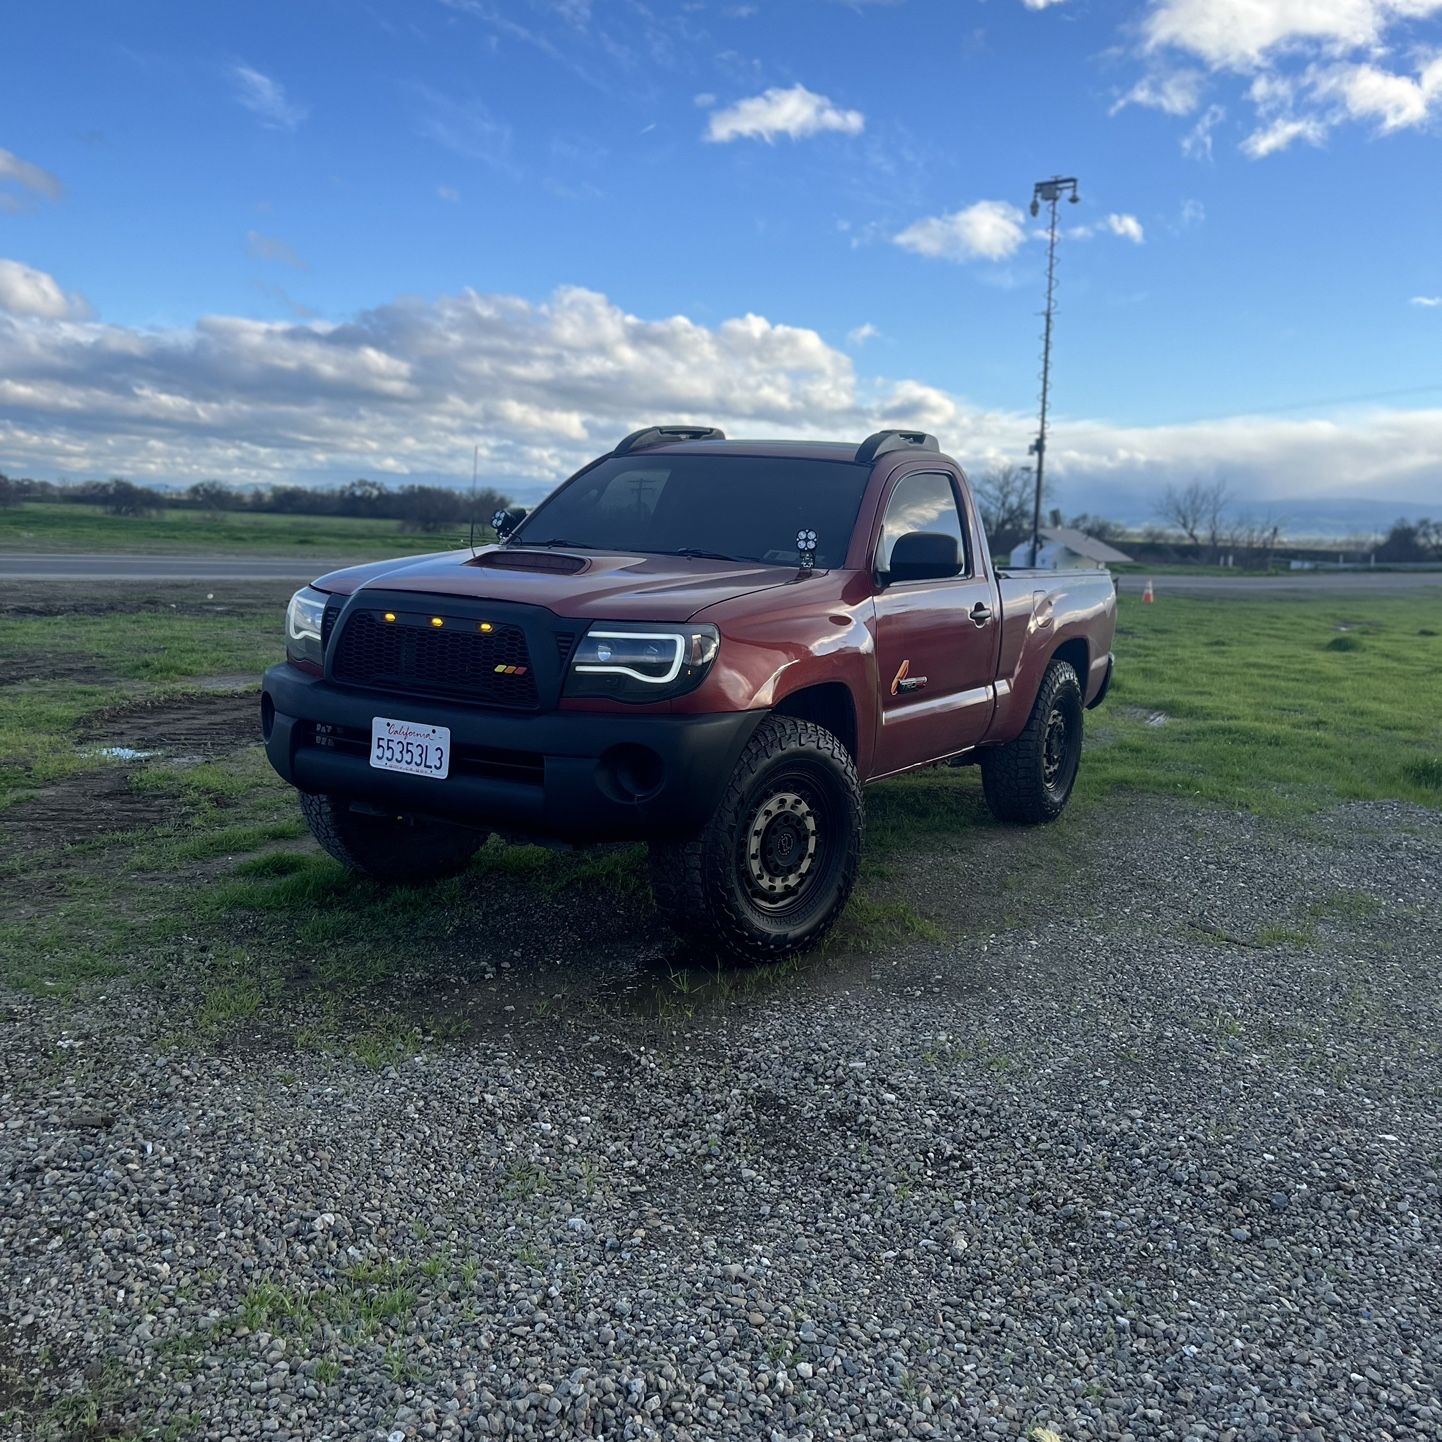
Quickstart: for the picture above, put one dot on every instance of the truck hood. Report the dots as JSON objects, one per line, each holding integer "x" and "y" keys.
{"x": 588, "y": 585}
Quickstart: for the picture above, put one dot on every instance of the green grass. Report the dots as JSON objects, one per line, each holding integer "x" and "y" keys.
{"x": 37, "y": 722}
{"x": 1264, "y": 711}
{"x": 869, "y": 920}
{"x": 369, "y": 1299}
{"x": 1275, "y": 934}
{"x": 79, "y": 668}
{"x": 51, "y": 526}
{"x": 1347, "y": 905}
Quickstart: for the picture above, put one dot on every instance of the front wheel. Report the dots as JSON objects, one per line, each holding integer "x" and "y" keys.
{"x": 1031, "y": 779}
{"x": 770, "y": 872}
{"x": 389, "y": 848}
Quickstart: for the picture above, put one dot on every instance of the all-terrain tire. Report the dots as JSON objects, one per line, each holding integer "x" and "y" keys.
{"x": 389, "y": 848}
{"x": 1030, "y": 779}
{"x": 771, "y": 871}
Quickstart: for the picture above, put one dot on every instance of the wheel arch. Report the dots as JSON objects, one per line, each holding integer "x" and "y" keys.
{"x": 828, "y": 704}
{"x": 1077, "y": 654}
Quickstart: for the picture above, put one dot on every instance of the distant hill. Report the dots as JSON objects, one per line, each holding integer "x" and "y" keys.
{"x": 1342, "y": 515}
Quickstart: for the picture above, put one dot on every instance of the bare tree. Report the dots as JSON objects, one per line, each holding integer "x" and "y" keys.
{"x": 362, "y": 498}
{"x": 1199, "y": 511}
{"x": 122, "y": 498}
{"x": 212, "y": 496}
{"x": 1098, "y": 527}
{"x": 1004, "y": 497}
{"x": 1255, "y": 536}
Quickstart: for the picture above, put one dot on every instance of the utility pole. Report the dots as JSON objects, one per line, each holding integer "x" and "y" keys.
{"x": 1050, "y": 191}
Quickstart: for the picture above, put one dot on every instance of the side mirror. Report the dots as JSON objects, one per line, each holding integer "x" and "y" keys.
{"x": 924, "y": 556}
{"x": 504, "y": 522}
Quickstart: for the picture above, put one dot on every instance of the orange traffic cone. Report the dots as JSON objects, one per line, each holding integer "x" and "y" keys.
{"x": 1147, "y": 592}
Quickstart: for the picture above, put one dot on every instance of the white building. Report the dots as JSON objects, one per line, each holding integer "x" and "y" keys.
{"x": 1062, "y": 549}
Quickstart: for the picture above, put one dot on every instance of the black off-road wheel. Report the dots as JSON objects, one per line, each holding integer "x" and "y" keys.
{"x": 1031, "y": 779}
{"x": 770, "y": 872}
{"x": 389, "y": 848}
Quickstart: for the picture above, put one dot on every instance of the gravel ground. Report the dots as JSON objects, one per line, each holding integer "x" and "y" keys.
{"x": 1161, "y": 1161}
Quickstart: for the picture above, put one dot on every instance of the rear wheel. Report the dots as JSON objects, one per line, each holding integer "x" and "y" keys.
{"x": 389, "y": 848}
{"x": 770, "y": 872}
{"x": 1031, "y": 779}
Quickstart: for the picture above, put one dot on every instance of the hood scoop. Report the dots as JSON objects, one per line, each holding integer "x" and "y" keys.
{"x": 552, "y": 562}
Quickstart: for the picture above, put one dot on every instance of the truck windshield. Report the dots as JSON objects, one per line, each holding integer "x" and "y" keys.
{"x": 747, "y": 508}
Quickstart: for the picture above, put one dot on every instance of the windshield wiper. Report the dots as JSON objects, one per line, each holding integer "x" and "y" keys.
{"x": 698, "y": 554}
{"x": 545, "y": 545}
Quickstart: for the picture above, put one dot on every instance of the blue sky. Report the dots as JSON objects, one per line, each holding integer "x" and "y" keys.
{"x": 320, "y": 240}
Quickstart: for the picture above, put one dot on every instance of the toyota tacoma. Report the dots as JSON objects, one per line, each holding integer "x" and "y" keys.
{"x": 708, "y": 645}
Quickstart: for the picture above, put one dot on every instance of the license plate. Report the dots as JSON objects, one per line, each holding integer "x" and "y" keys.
{"x": 406, "y": 746}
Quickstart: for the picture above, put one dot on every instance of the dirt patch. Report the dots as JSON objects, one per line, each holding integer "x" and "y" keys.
{"x": 77, "y": 670}
{"x": 204, "y": 726}
{"x": 101, "y": 801}
{"x": 82, "y": 808}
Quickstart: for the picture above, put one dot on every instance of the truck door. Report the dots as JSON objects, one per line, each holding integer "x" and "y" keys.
{"x": 936, "y": 639}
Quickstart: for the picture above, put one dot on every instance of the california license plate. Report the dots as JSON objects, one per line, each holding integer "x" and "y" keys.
{"x": 407, "y": 746}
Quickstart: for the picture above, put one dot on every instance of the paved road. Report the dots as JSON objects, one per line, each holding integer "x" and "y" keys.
{"x": 113, "y": 567}
{"x": 1355, "y": 583}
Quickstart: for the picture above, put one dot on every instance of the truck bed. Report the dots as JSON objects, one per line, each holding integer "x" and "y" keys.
{"x": 1071, "y": 613}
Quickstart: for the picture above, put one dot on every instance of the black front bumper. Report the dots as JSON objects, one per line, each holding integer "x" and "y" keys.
{"x": 571, "y": 775}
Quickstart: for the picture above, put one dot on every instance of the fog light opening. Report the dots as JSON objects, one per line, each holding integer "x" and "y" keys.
{"x": 630, "y": 773}
{"x": 267, "y": 717}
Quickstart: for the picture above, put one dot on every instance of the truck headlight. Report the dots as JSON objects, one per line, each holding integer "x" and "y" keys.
{"x": 638, "y": 662}
{"x": 303, "y": 619}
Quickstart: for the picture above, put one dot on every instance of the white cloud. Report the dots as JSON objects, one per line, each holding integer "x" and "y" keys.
{"x": 1396, "y": 102}
{"x": 1279, "y": 134}
{"x": 988, "y": 230}
{"x": 266, "y": 99}
{"x": 858, "y": 336}
{"x": 1245, "y": 33}
{"x": 1175, "y": 92}
{"x": 25, "y": 291}
{"x": 407, "y": 388}
{"x": 1197, "y": 142}
{"x": 448, "y": 193}
{"x": 796, "y": 112}
{"x": 1128, "y": 227}
{"x": 270, "y": 247}
{"x": 1041, "y": 4}
{"x": 31, "y": 181}
{"x": 1311, "y": 65}
{"x": 1427, "y": 301}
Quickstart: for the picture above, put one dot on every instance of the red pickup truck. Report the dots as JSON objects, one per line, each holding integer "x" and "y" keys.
{"x": 708, "y": 645}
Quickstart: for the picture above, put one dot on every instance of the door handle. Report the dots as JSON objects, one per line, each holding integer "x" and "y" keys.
{"x": 981, "y": 613}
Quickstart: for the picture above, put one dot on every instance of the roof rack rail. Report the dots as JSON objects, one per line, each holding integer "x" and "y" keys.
{"x": 664, "y": 435}
{"x": 884, "y": 441}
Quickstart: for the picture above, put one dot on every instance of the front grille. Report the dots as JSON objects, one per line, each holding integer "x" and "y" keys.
{"x": 410, "y": 654}
{"x": 565, "y": 644}
{"x": 490, "y": 762}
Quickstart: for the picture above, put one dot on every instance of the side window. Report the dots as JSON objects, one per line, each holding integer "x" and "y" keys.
{"x": 921, "y": 502}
